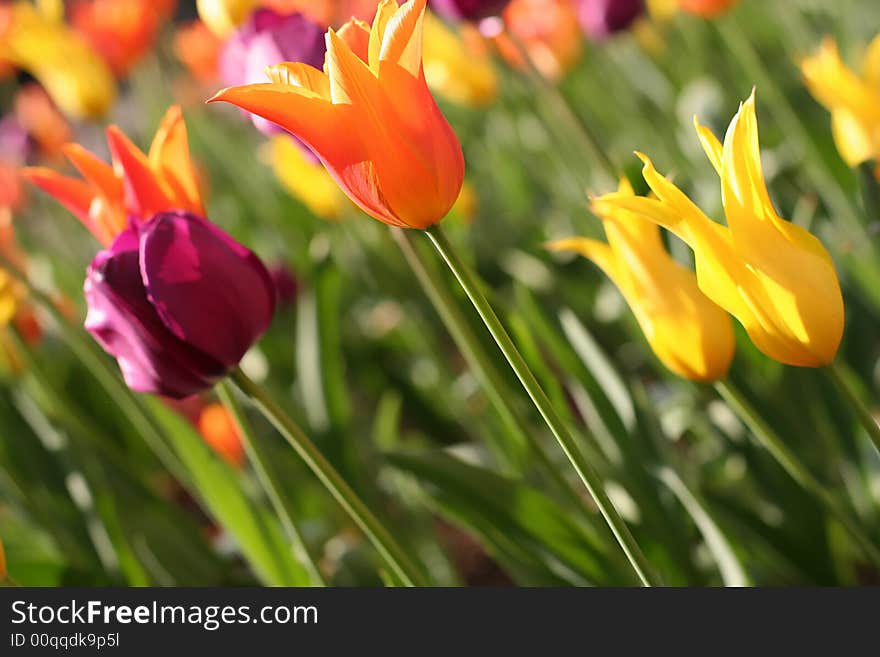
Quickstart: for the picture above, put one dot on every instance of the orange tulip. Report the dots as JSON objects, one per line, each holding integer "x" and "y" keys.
{"x": 136, "y": 184}
{"x": 549, "y": 32}
{"x": 220, "y": 432}
{"x": 122, "y": 31}
{"x": 706, "y": 8}
{"x": 198, "y": 48}
{"x": 369, "y": 117}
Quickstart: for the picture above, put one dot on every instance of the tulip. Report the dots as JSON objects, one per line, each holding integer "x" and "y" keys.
{"x": 177, "y": 302}
{"x": 198, "y": 48}
{"x": 601, "y": 18}
{"x": 468, "y": 10}
{"x": 853, "y": 100}
{"x": 223, "y": 16}
{"x": 775, "y": 277}
{"x": 549, "y": 32}
{"x": 172, "y": 297}
{"x": 457, "y": 64}
{"x": 306, "y": 179}
{"x": 219, "y": 430}
{"x": 689, "y": 334}
{"x": 122, "y": 31}
{"x": 136, "y": 185}
{"x": 73, "y": 74}
{"x": 706, "y": 8}
{"x": 370, "y": 118}
{"x": 268, "y": 38}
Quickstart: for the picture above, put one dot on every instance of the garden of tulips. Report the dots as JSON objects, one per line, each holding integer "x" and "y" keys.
{"x": 439, "y": 293}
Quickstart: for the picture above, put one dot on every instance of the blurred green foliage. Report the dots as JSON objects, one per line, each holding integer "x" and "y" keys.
{"x": 98, "y": 487}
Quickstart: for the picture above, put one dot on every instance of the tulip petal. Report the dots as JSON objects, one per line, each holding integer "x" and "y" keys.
{"x": 356, "y": 34}
{"x": 402, "y": 38}
{"x": 299, "y": 74}
{"x": 169, "y": 157}
{"x": 127, "y": 326}
{"x": 144, "y": 196}
{"x": 75, "y": 195}
{"x": 597, "y": 252}
{"x": 94, "y": 170}
{"x": 299, "y": 110}
{"x": 210, "y": 291}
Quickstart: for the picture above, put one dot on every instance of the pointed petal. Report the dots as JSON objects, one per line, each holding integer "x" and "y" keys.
{"x": 170, "y": 157}
{"x": 384, "y": 12}
{"x": 351, "y": 80}
{"x": 712, "y": 147}
{"x": 75, "y": 195}
{"x": 597, "y": 252}
{"x": 402, "y": 40}
{"x": 144, "y": 196}
{"x": 356, "y": 33}
{"x": 299, "y": 74}
{"x": 300, "y": 111}
{"x": 94, "y": 170}
{"x": 871, "y": 63}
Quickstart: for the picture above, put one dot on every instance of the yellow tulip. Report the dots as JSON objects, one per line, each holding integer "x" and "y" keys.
{"x": 223, "y": 16}
{"x": 853, "y": 100}
{"x": 775, "y": 277}
{"x": 305, "y": 179}
{"x": 457, "y": 65}
{"x": 72, "y": 73}
{"x": 689, "y": 334}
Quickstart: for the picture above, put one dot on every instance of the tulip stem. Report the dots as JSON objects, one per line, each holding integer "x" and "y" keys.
{"x": 268, "y": 481}
{"x": 392, "y": 554}
{"x": 587, "y": 474}
{"x": 838, "y": 376}
{"x": 786, "y": 458}
{"x": 478, "y": 360}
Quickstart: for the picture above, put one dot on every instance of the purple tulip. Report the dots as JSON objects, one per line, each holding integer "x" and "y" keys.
{"x": 468, "y": 10}
{"x": 268, "y": 38}
{"x": 601, "y": 18}
{"x": 177, "y": 302}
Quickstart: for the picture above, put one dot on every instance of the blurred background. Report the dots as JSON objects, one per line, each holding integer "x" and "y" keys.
{"x": 99, "y": 486}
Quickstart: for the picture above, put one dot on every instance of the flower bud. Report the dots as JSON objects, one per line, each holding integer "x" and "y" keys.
{"x": 177, "y": 302}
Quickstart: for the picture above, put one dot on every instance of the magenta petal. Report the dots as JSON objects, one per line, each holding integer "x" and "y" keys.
{"x": 601, "y": 18}
{"x": 468, "y": 10}
{"x": 127, "y": 326}
{"x": 209, "y": 290}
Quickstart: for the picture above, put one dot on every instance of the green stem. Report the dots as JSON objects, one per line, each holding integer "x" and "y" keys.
{"x": 838, "y": 376}
{"x": 588, "y": 476}
{"x": 395, "y": 558}
{"x": 478, "y": 360}
{"x": 771, "y": 441}
{"x": 268, "y": 481}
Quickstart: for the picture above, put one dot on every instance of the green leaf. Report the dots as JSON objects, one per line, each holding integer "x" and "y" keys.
{"x": 528, "y": 533}
{"x": 220, "y": 490}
